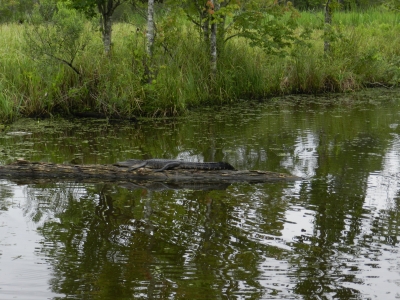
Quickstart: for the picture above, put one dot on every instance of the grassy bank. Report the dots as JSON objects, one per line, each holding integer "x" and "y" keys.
{"x": 365, "y": 53}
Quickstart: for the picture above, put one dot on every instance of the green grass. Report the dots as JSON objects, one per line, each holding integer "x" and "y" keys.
{"x": 365, "y": 53}
{"x": 355, "y": 18}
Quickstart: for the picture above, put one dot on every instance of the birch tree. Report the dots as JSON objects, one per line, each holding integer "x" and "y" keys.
{"x": 150, "y": 35}
{"x": 106, "y": 8}
{"x": 260, "y": 22}
{"x": 329, "y": 34}
{"x": 213, "y": 6}
{"x": 328, "y": 25}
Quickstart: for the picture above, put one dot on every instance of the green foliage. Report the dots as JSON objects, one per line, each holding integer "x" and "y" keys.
{"x": 55, "y": 32}
{"x": 88, "y": 7}
{"x": 14, "y": 10}
{"x": 374, "y": 17}
{"x": 393, "y": 5}
{"x": 344, "y": 4}
{"x": 8, "y": 104}
{"x": 266, "y": 24}
{"x": 363, "y": 54}
{"x": 266, "y": 30}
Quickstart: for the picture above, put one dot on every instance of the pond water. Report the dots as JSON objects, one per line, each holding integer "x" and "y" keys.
{"x": 333, "y": 235}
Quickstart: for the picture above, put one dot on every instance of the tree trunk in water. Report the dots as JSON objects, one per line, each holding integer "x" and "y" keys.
{"x": 150, "y": 40}
{"x": 106, "y": 30}
{"x": 213, "y": 44}
{"x": 328, "y": 22}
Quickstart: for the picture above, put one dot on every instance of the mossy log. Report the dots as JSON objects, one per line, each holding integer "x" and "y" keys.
{"x": 26, "y": 169}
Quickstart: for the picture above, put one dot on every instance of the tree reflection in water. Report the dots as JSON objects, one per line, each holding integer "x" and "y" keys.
{"x": 114, "y": 242}
{"x": 333, "y": 235}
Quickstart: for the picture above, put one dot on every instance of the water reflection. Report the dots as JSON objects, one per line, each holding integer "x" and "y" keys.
{"x": 22, "y": 273}
{"x": 162, "y": 246}
{"x": 333, "y": 235}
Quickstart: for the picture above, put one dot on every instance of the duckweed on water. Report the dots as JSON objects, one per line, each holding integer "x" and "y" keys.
{"x": 320, "y": 236}
{"x": 104, "y": 141}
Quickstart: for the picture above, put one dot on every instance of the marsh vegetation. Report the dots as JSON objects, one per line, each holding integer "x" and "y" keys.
{"x": 55, "y": 63}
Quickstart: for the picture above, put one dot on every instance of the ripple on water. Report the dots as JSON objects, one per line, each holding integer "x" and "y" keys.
{"x": 22, "y": 274}
{"x": 334, "y": 235}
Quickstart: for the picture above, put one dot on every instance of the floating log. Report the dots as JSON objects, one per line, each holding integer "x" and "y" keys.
{"x": 25, "y": 169}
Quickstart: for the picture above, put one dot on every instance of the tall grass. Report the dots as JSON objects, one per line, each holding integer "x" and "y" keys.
{"x": 365, "y": 53}
{"x": 370, "y": 17}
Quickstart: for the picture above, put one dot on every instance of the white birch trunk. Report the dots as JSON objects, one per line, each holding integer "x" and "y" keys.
{"x": 150, "y": 28}
{"x": 328, "y": 22}
{"x": 107, "y": 30}
{"x": 150, "y": 41}
{"x": 213, "y": 45}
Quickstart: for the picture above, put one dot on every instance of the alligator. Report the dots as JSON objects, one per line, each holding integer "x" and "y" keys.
{"x": 32, "y": 171}
{"x": 167, "y": 164}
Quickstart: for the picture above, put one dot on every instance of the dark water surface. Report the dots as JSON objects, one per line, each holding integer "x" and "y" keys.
{"x": 333, "y": 235}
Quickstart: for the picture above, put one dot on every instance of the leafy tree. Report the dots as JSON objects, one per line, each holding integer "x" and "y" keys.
{"x": 263, "y": 23}
{"x": 330, "y": 7}
{"x": 56, "y": 32}
{"x": 15, "y": 10}
{"x": 106, "y": 8}
{"x": 393, "y": 5}
{"x": 150, "y": 35}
